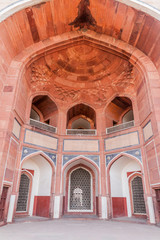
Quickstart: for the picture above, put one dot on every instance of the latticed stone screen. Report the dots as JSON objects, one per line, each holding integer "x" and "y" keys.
{"x": 80, "y": 190}
{"x": 23, "y": 194}
{"x": 138, "y": 196}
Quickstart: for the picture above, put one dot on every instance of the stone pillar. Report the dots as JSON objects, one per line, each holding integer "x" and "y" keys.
{"x": 58, "y": 198}
{"x": 101, "y": 127}
{"x": 62, "y": 121}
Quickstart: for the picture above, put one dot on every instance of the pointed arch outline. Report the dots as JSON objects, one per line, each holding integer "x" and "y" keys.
{"x": 133, "y": 106}
{"x": 92, "y": 187}
{"x": 80, "y": 160}
{"x": 93, "y": 119}
{"x": 30, "y": 177}
{"x": 132, "y": 98}
{"x": 108, "y": 179}
{"x": 51, "y": 163}
{"x": 136, "y": 57}
{"x": 119, "y": 155}
{"x": 32, "y": 96}
{"x": 130, "y": 179}
{"x": 41, "y": 153}
{"x": 78, "y": 103}
{"x": 52, "y": 176}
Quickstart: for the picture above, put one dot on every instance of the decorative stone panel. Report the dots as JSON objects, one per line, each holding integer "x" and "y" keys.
{"x": 76, "y": 145}
{"x": 94, "y": 158}
{"x": 122, "y": 141}
{"x": 41, "y": 140}
{"x": 147, "y": 131}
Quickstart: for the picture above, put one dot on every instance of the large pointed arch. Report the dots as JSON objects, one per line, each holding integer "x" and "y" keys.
{"x": 88, "y": 165}
{"x": 41, "y": 153}
{"x": 119, "y": 171}
{"x": 42, "y": 170}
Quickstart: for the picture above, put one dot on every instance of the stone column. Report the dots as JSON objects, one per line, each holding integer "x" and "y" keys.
{"x": 101, "y": 127}
{"x": 61, "y": 130}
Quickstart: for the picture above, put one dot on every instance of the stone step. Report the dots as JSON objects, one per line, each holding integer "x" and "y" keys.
{"x": 80, "y": 217}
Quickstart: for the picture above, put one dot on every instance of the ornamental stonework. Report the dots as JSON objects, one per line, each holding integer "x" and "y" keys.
{"x": 82, "y": 72}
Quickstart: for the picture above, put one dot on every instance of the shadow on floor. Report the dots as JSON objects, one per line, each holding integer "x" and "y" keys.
{"x": 29, "y": 219}
{"x": 130, "y": 220}
{"x": 79, "y": 217}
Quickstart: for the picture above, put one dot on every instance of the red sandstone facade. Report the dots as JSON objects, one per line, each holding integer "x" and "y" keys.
{"x": 80, "y": 112}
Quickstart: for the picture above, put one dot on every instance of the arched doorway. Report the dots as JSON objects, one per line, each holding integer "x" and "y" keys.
{"x": 24, "y": 189}
{"x": 35, "y": 190}
{"x": 137, "y": 193}
{"x": 126, "y": 188}
{"x": 80, "y": 188}
{"x": 80, "y": 191}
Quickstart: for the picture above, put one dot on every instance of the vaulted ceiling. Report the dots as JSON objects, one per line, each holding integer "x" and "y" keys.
{"x": 82, "y": 68}
{"x": 51, "y": 18}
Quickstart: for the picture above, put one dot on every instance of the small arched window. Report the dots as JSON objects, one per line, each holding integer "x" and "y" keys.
{"x": 81, "y": 116}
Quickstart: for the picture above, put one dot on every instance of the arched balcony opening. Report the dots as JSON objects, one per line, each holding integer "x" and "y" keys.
{"x": 44, "y": 113}
{"x": 119, "y": 114}
{"x": 81, "y": 119}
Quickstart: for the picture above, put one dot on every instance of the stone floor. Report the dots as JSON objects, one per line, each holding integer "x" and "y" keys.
{"x": 29, "y": 219}
{"x": 75, "y": 229}
{"x": 130, "y": 220}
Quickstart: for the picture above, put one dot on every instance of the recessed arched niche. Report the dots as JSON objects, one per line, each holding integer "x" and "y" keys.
{"x": 118, "y": 111}
{"x": 44, "y": 110}
{"x": 81, "y": 116}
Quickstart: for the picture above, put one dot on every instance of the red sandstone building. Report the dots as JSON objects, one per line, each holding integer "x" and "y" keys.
{"x": 79, "y": 109}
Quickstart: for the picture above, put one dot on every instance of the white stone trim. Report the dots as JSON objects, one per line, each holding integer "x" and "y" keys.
{"x": 104, "y": 207}
{"x": 142, "y": 6}
{"x": 11, "y": 208}
{"x": 22, "y": 4}
{"x": 56, "y": 207}
{"x": 155, "y": 184}
{"x": 151, "y": 210}
{"x": 17, "y": 6}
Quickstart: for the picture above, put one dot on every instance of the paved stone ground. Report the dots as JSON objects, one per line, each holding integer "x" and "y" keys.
{"x": 70, "y": 229}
